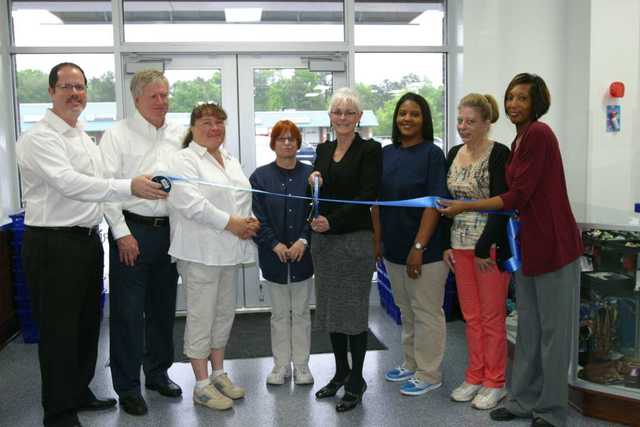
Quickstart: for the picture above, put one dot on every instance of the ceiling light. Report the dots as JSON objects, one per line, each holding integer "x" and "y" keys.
{"x": 243, "y": 14}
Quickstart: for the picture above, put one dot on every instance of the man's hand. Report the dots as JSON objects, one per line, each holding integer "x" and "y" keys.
{"x": 281, "y": 250}
{"x": 128, "y": 250}
{"x": 143, "y": 187}
{"x": 296, "y": 251}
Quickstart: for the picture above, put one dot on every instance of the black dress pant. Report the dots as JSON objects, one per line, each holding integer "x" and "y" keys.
{"x": 64, "y": 272}
{"x": 142, "y": 303}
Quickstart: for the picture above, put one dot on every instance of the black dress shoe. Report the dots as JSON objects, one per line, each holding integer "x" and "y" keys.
{"x": 167, "y": 388}
{"x": 350, "y": 399}
{"x": 94, "y": 404}
{"x": 539, "y": 422}
{"x": 134, "y": 405}
{"x": 501, "y": 414}
{"x": 332, "y": 388}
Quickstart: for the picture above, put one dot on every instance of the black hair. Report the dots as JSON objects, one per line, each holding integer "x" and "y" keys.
{"x": 427, "y": 120}
{"x": 53, "y": 74}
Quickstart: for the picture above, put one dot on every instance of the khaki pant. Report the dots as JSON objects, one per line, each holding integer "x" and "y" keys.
{"x": 423, "y": 322}
{"x": 290, "y": 323}
{"x": 211, "y": 306}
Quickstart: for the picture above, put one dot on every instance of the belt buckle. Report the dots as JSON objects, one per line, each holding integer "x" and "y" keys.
{"x": 157, "y": 222}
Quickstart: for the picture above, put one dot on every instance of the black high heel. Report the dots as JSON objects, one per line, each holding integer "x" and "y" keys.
{"x": 332, "y": 388}
{"x": 350, "y": 399}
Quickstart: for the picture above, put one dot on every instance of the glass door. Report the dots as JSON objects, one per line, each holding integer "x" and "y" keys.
{"x": 193, "y": 79}
{"x": 273, "y": 88}
{"x": 256, "y": 92}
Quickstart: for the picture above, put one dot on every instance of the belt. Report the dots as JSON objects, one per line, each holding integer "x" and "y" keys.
{"x": 154, "y": 221}
{"x": 87, "y": 231}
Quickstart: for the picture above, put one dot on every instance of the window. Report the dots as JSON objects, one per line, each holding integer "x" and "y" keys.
{"x": 33, "y": 81}
{"x": 238, "y": 21}
{"x": 382, "y": 78}
{"x": 406, "y": 23}
{"x": 62, "y": 23}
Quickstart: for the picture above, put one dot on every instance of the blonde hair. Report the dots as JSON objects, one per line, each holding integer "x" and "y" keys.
{"x": 486, "y": 105}
{"x": 348, "y": 96}
{"x": 145, "y": 77}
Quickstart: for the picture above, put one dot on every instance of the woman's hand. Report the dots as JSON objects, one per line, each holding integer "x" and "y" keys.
{"x": 281, "y": 250}
{"x": 243, "y": 228}
{"x": 296, "y": 251}
{"x": 414, "y": 263}
{"x": 312, "y": 177}
{"x": 377, "y": 247}
{"x": 449, "y": 260}
{"x": 451, "y": 208}
{"x": 484, "y": 264}
{"x": 320, "y": 224}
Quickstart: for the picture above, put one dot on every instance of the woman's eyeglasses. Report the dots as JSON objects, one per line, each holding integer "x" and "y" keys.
{"x": 339, "y": 113}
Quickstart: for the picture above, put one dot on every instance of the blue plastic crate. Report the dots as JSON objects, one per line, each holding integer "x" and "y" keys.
{"x": 386, "y": 294}
{"x": 15, "y": 248}
{"x": 30, "y": 331}
{"x": 22, "y": 302}
{"x": 21, "y": 290}
{"x": 18, "y": 276}
{"x": 17, "y": 220}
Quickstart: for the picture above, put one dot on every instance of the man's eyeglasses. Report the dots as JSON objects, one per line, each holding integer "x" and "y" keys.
{"x": 71, "y": 87}
{"x": 340, "y": 113}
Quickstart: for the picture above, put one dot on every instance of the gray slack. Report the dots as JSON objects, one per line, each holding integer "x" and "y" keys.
{"x": 547, "y": 309}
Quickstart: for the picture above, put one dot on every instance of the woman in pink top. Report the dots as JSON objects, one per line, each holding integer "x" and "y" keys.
{"x": 547, "y": 283}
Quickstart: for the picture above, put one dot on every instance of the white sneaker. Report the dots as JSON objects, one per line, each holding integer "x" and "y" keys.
{"x": 210, "y": 397}
{"x": 465, "y": 392}
{"x": 488, "y": 398}
{"x": 278, "y": 375}
{"x": 229, "y": 389}
{"x": 302, "y": 375}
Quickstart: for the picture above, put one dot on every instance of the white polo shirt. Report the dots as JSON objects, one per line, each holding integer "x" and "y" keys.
{"x": 133, "y": 147}
{"x": 63, "y": 176}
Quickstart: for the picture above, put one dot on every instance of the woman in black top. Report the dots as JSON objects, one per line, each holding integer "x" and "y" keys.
{"x": 342, "y": 250}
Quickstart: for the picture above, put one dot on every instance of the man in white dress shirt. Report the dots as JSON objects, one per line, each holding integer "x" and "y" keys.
{"x": 142, "y": 277}
{"x": 63, "y": 184}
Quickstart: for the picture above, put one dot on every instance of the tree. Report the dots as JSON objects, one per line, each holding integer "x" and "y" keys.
{"x": 187, "y": 93}
{"x": 103, "y": 88}
{"x": 32, "y": 86}
{"x": 382, "y": 99}
{"x": 277, "y": 90}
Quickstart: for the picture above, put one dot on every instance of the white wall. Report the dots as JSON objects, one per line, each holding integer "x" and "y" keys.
{"x": 579, "y": 47}
{"x": 8, "y": 171}
{"x": 613, "y": 157}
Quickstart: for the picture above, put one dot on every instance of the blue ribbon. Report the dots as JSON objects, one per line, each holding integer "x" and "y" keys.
{"x": 420, "y": 202}
{"x": 513, "y": 229}
{"x": 315, "y": 210}
{"x": 513, "y": 226}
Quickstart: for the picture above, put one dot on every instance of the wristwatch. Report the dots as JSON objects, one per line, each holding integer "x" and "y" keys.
{"x": 418, "y": 246}
{"x": 304, "y": 242}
